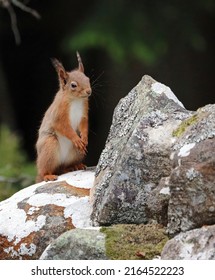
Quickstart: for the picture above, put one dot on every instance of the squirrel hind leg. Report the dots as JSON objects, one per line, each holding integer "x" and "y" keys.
{"x": 47, "y": 160}
{"x": 80, "y": 166}
{"x": 75, "y": 167}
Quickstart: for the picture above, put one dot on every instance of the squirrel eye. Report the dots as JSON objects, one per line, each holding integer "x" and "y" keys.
{"x": 73, "y": 85}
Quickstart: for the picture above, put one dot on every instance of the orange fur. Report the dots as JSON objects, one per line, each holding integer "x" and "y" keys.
{"x": 63, "y": 134}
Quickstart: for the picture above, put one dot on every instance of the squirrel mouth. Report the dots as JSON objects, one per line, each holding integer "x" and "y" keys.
{"x": 86, "y": 95}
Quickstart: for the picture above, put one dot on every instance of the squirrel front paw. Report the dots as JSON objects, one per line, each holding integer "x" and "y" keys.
{"x": 84, "y": 140}
{"x": 80, "y": 145}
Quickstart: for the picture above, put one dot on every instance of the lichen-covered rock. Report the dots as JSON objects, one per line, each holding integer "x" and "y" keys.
{"x": 77, "y": 244}
{"x": 137, "y": 156}
{"x": 192, "y": 180}
{"x": 196, "y": 244}
{"x": 35, "y": 216}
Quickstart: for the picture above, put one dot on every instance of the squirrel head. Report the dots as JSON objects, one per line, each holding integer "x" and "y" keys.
{"x": 75, "y": 83}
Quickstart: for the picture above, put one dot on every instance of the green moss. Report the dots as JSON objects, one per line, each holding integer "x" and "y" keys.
{"x": 184, "y": 125}
{"x": 134, "y": 242}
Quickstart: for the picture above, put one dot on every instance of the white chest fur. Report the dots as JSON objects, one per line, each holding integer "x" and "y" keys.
{"x": 66, "y": 146}
{"x": 76, "y": 112}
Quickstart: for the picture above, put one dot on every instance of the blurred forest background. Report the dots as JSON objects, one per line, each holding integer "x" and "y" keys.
{"x": 119, "y": 41}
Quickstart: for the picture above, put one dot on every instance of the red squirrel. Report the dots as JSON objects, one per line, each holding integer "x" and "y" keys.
{"x": 63, "y": 134}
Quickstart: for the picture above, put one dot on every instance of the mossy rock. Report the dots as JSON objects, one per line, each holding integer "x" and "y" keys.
{"x": 134, "y": 242}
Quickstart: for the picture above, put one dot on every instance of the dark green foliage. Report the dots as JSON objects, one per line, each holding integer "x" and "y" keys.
{"x": 15, "y": 171}
{"x": 141, "y": 30}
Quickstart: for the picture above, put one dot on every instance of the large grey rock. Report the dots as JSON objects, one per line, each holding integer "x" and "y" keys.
{"x": 196, "y": 244}
{"x": 77, "y": 244}
{"x": 35, "y": 216}
{"x": 192, "y": 180}
{"x": 136, "y": 158}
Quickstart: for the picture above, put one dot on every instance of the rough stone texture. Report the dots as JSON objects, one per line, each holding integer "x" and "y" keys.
{"x": 196, "y": 244}
{"x": 157, "y": 202}
{"x": 35, "y": 216}
{"x": 136, "y": 157}
{"x": 192, "y": 181}
{"x": 77, "y": 244}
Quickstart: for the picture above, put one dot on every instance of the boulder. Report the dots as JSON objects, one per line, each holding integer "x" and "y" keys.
{"x": 135, "y": 163}
{"x": 192, "y": 180}
{"x": 77, "y": 244}
{"x": 196, "y": 244}
{"x": 35, "y": 216}
{"x": 158, "y": 162}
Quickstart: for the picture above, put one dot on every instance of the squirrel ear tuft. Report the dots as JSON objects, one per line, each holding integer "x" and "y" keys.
{"x": 62, "y": 74}
{"x": 80, "y": 64}
{"x": 56, "y": 63}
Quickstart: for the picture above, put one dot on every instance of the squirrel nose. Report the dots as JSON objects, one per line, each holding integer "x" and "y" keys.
{"x": 88, "y": 91}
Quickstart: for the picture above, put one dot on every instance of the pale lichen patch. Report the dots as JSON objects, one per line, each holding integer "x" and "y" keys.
{"x": 80, "y": 213}
{"x": 185, "y": 150}
{"x": 19, "y": 225}
{"x": 10, "y": 250}
{"x": 42, "y": 199}
{"x": 192, "y": 174}
{"x": 165, "y": 190}
{"x": 79, "y": 179}
{"x": 32, "y": 210}
{"x": 26, "y": 249}
{"x": 160, "y": 88}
